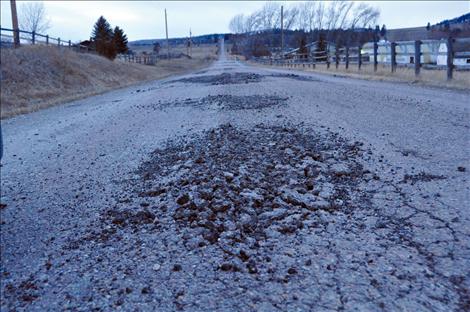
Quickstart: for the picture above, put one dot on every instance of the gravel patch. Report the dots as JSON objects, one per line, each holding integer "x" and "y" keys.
{"x": 421, "y": 177}
{"x": 294, "y": 77}
{"x": 240, "y": 191}
{"x": 222, "y": 79}
{"x": 224, "y": 102}
{"x": 240, "y": 187}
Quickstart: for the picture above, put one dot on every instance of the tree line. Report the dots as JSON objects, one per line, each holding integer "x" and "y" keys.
{"x": 342, "y": 22}
{"x": 107, "y": 41}
{"x": 307, "y": 16}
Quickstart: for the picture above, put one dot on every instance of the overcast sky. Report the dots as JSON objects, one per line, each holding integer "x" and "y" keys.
{"x": 145, "y": 19}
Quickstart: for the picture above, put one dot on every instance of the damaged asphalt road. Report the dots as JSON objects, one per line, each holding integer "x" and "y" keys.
{"x": 240, "y": 189}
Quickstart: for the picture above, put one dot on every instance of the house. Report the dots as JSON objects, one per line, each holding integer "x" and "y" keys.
{"x": 312, "y": 51}
{"x": 405, "y": 51}
{"x": 461, "y": 49}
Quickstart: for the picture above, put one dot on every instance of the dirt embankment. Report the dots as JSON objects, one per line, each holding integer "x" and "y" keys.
{"x": 35, "y": 77}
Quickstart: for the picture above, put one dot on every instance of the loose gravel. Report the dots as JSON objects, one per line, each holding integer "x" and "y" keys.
{"x": 224, "y": 102}
{"x": 223, "y": 79}
{"x": 238, "y": 188}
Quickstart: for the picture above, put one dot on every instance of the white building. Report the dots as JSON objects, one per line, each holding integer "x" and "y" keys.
{"x": 404, "y": 51}
{"x": 432, "y": 52}
{"x": 461, "y": 49}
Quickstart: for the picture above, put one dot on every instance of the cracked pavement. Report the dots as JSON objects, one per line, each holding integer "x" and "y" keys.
{"x": 243, "y": 189}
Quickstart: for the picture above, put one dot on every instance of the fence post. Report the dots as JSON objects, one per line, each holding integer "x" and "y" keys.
{"x": 450, "y": 59}
{"x": 393, "y": 56}
{"x": 347, "y": 56}
{"x": 376, "y": 50}
{"x": 58, "y": 42}
{"x": 337, "y": 58}
{"x": 47, "y": 39}
{"x": 327, "y": 57}
{"x": 16, "y": 36}
{"x": 70, "y": 43}
{"x": 33, "y": 37}
{"x": 417, "y": 57}
{"x": 359, "y": 57}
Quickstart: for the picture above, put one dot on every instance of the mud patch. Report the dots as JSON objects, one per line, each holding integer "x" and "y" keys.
{"x": 222, "y": 79}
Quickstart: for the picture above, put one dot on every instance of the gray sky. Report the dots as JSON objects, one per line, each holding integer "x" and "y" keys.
{"x": 145, "y": 19}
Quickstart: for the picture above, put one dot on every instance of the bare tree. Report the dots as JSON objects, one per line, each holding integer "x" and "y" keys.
{"x": 269, "y": 16}
{"x": 345, "y": 16}
{"x": 320, "y": 15}
{"x": 250, "y": 22}
{"x": 337, "y": 13}
{"x": 33, "y": 17}
{"x": 291, "y": 15}
{"x": 364, "y": 15}
{"x": 307, "y": 15}
{"x": 237, "y": 24}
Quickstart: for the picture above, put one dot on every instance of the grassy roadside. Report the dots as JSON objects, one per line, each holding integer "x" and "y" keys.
{"x": 434, "y": 78}
{"x": 36, "y": 77}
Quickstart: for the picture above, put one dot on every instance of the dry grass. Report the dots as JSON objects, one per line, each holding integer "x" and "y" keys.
{"x": 35, "y": 77}
{"x": 436, "y": 78}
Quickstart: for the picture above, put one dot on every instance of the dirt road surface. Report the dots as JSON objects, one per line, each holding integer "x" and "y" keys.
{"x": 240, "y": 189}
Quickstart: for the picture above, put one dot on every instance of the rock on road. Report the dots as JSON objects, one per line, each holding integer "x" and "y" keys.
{"x": 155, "y": 197}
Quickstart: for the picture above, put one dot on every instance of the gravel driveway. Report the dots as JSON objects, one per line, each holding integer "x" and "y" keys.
{"x": 240, "y": 189}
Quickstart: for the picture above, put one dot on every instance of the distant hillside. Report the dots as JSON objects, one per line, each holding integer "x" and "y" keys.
{"x": 457, "y": 27}
{"x": 203, "y": 39}
{"x": 458, "y": 20}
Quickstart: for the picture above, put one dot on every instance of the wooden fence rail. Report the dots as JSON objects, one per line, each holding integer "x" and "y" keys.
{"x": 354, "y": 55}
{"x": 149, "y": 59}
{"x": 35, "y": 38}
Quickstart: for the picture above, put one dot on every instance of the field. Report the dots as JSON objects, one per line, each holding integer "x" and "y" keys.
{"x": 35, "y": 77}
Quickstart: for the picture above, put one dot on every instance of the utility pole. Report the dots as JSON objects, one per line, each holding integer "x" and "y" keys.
{"x": 282, "y": 30}
{"x": 190, "y": 42}
{"x": 167, "y": 42}
{"x": 14, "y": 23}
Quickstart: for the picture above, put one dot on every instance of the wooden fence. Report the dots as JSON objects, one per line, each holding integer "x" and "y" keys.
{"x": 7, "y": 37}
{"x": 148, "y": 59}
{"x": 349, "y": 55}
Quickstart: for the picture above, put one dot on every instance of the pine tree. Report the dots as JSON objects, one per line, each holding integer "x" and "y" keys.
{"x": 383, "y": 31}
{"x": 156, "y": 47}
{"x": 102, "y": 36}
{"x": 321, "y": 44}
{"x": 303, "y": 51}
{"x": 120, "y": 40}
